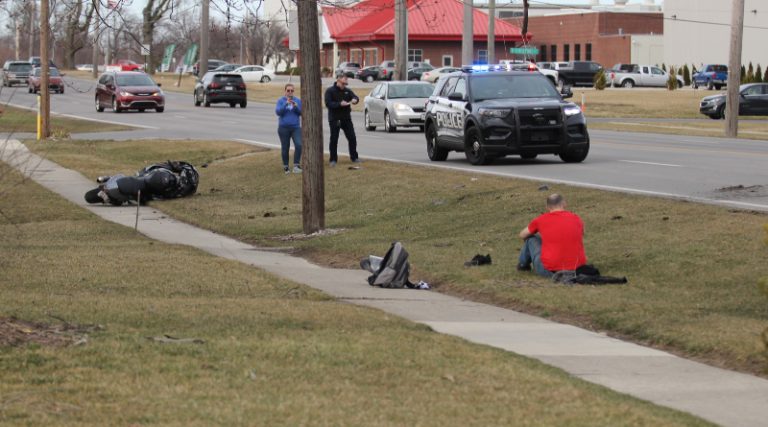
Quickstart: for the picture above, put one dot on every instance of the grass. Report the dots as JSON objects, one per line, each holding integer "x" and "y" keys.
{"x": 693, "y": 269}
{"x": 748, "y": 129}
{"x": 15, "y": 120}
{"x": 274, "y": 352}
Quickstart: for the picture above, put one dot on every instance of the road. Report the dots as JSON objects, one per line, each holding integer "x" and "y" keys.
{"x": 721, "y": 171}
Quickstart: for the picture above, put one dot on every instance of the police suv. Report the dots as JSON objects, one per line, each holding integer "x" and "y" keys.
{"x": 491, "y": 114}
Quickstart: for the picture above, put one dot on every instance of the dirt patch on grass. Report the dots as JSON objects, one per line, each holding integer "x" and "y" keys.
{"x": 15, "y": 332}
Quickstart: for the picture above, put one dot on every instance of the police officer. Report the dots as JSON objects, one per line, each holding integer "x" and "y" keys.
{"x": 339, "y": 100}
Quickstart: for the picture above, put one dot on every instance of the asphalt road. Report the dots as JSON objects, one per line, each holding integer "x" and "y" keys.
{"x": 720, "y": 171}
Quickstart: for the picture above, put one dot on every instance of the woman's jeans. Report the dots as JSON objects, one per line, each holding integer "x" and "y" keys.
{"x": 285, "y": 142}
{"x": 531, "y": 254}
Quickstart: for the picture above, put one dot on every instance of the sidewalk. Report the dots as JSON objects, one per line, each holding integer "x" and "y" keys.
{"x": 720, "y": 396}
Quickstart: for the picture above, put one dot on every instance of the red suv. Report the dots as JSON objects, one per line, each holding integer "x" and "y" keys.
{"x": 128, "y": 90}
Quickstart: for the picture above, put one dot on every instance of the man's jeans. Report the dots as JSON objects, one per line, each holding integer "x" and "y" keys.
{"x": 286, "y": 134}
{"x": 349, "y": 132}
{"x": 531, "y": 254}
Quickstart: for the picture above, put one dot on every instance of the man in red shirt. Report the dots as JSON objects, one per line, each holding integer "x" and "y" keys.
{"x": 553, "y": 241}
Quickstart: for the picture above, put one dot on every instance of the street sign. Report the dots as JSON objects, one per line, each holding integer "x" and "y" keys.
{"x": 144, "y": 49}
{"x": 524, "y": 50}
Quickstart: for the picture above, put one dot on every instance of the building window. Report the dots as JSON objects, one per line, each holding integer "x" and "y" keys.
{"x": 566, "y": 52}
{"x": 553, "y": 53}
{"x": 447, "y": 60}
{"x": 482, "y": 56}
{"x": 543, "y": 53}
{"x": 577, "y": 52}
{"x": 588, "y": 52}
{"x": 415, "y": 55}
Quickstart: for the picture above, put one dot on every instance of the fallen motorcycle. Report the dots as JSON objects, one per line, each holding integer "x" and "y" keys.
{"x": 168, "y": 180}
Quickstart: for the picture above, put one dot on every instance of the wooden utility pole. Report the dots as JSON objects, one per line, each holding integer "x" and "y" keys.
{"x": 401, "y": 40}
{"x": 491, "y": 31}
{"x": 204, "y": 28}
{"x": 32, "y": 16}
{"x": 734, "y": 70}
{"x": 467, "y": 48}
{"x": 45, "y": 98}
{"x": 95, "y": 56}
{"x": 313, "y": 179}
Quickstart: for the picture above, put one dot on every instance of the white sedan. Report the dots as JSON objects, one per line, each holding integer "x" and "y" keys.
{"x": 255, "y": 73}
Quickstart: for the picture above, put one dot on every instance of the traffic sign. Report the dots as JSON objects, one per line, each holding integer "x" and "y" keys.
{"x": 524, "y": 50}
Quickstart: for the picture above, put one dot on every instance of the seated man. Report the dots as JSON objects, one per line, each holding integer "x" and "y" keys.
{"x": 553, "y": 241}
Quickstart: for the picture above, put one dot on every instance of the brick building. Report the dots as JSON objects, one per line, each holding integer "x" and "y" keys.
{"x": 364, "y": 33}
{"x": 604, "y": 37}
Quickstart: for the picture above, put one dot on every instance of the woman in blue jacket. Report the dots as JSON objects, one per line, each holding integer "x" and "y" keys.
{"x": 289, "y": 126}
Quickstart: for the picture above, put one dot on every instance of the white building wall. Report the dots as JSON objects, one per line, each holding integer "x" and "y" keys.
{"x": 708, "y": 39}
{"x": 647, "y": 49}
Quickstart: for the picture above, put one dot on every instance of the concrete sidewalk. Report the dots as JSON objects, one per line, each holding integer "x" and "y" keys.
{"x": 720, "y": 396}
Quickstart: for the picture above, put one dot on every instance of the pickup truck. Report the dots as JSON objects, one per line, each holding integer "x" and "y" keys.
{"x": 713, "y": 76}
{"x": 578, "y": 73}
{"x": 631, "y": 75}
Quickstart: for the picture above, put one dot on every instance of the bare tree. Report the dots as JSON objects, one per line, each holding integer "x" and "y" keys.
{"x": 153, "y": 12}
{"x": 77, "y": 21}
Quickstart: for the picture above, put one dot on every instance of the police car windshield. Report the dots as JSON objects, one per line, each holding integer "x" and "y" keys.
{"x": 511, "y": 86}
{"x": 410, "y": 91}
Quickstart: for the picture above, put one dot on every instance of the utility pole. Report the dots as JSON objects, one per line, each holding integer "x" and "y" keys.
{"x": 45, "y": 98}
{"x": 401, "y": 40}
{"x": 491, "y": 31}
{"x": 467, "y": 49}
{"x": 734, "y": 70}
{"x": 204, "y": 28}
{"x": 32, "y": 16}
{"x": 313, "y": 178}
{"x": 95, "y": 56}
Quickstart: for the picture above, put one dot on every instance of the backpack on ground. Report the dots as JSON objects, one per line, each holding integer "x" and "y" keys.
{"x": 391, "y": 271}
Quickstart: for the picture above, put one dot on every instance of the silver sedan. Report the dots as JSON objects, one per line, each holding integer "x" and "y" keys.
{"x": 396, "y": 104}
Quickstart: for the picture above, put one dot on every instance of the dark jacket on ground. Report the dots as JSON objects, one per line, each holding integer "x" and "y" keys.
{"x": 333, "y": 97}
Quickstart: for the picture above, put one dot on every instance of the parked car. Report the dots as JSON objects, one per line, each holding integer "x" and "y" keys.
{"x": 415, "y": 73}
{"x": 753, "y": 101}
{"x": 369, "y": 74}
{"x": 578, "y": 73}
{"x": 16, "y": 72}
{"x": 711, "y": 76}
{"x": 396, "y": 104}
{"x": 552, "y": 65}
{"x": 348, "y": 69}
{"x": 255, "y": 73}
{"x": 216, "y": 87}
{"x": 631, "y": 75}
{"x": 226, "y": 68}
{"x": 124, "y": 65}
{"x": 55, "y": 81}
{"x": 36, "y": 62}
{"x": 128, "y": 90}
{"x": 212, "y": 65}
{"x": 434, "y": 74}
{"x": 388, "y": 67}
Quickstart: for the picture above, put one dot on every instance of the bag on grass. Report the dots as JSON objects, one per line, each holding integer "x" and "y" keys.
{"x": 391, "y": 271}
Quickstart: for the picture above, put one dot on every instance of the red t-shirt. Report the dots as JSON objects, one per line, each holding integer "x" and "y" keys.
{"x": 562, "y": 247}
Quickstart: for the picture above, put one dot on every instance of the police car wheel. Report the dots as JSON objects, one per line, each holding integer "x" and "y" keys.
{"x": 575, "y": 156}
{"x": 474, "y": 149}
{"x": 435, "y": 153}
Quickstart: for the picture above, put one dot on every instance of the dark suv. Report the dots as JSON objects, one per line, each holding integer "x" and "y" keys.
{"x": 128, "y": 90}
{"x": 216, "y": 87}
{"x": 16, "y": 72}
{"x": 487, "y": 115}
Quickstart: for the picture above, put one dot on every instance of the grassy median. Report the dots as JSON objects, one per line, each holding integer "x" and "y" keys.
{"x": 693, "y": 269}
{"x": 16, "y": 120}
{"x": 92, "y": 303}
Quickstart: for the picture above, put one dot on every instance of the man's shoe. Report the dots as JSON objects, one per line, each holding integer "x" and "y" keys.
{"x": 296, "y": 169}
{"x": 285, "y": 169}
{"x": 521, "y": 267}
{"x": 358, "y": 160}
{"x": 333, "y": 164}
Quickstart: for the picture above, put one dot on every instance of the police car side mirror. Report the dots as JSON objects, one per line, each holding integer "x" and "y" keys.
{"x": 566, "y": 92}
{"x": 456, "y": 96}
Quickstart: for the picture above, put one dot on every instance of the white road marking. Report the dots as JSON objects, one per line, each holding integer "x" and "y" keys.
{"x": 180, "y": 117}
{"x": 73, "y": 116}
{"x": 742, "y": 205}
{"x": 651, "y": 163}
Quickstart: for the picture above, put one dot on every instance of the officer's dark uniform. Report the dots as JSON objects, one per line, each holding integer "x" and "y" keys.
{"x": 340, "y": 118}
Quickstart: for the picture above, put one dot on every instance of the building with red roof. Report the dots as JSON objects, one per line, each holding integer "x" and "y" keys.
{"x": 365, "y": 33}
